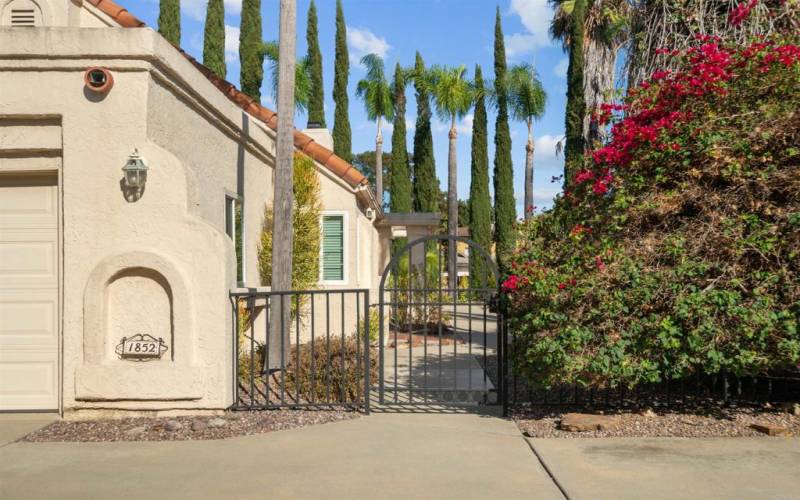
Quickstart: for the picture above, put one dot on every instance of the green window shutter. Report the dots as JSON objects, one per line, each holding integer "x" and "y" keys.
{"x": 333, "y": 248}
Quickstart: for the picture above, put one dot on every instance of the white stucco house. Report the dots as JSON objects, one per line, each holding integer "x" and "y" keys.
{"x": 87, "y": 257}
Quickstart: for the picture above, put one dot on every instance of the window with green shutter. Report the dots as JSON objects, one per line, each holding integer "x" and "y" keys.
{"x": 333, "y": 248}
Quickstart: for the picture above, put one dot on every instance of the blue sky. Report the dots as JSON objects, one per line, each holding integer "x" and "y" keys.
{"x": 446, "y": 32}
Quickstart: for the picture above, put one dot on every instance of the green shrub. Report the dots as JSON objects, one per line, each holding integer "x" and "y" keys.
{"x": 678, "y": 251}
{"x": 307, "y": 233}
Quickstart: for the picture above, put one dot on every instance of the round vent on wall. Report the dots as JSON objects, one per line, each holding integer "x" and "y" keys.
{"x": 98, "y": 80}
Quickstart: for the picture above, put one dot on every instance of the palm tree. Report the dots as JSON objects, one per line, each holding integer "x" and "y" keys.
{"x": 376, "y": 93}
{"x": 605, "y": 31}
{"x": 452, "y": 95}
{"x": 302, "y": 76}
{"x": 526, "y": 100}
{"x": 283, "y": 197}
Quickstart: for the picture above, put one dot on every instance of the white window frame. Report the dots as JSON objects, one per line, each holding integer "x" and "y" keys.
{"x": 345, "y": 246}
{"x": 230, "y": 219}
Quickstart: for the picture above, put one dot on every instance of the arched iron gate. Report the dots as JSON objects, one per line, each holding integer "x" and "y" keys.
{"x": 441, "y": 344}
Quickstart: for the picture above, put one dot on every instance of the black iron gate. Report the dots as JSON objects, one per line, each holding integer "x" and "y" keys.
{"x": 441, "y": 339}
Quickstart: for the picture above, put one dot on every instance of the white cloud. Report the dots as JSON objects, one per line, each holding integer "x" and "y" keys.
{"x": 233, "y": 7}
{"x": 196, "y": 9}
{"x": 231, "y": 43}
{"x": 535, "y": 16}
{"x": 561, "y": 68}
{"x": 362, "y": 42}
{"x": 545, "y": 151}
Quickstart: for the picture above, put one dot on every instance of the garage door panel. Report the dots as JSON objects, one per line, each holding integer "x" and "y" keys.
{"x": 28, "y": 292}
{"x": 28, "y": 318}
{"x": 28, "y": 380}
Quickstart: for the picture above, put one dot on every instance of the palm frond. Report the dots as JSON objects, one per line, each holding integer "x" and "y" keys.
{"x": 526, "y": 94}
{"x": 302, "y": 76}
{"x": 374, "y": 90}
{"x": 452, "y": 93}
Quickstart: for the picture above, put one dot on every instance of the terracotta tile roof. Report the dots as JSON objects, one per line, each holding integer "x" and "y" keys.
{"x": 302, "y": 142}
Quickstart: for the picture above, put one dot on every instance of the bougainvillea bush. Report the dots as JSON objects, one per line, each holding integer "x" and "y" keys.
{"x": 676, "y": 249}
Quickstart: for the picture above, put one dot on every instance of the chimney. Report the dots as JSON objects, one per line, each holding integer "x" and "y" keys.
{"x": 320, "y": 134}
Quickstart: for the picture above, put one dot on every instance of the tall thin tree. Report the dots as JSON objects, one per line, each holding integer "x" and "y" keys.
{"x": 505, "y": 211}
{"x": 426, "y": 185}
{"x": 169, "y": 21}
{"x": 251, "y": 49}
{"x": 377, "y": 96}
{"x": 576, "y": 102}
{"x": 526, "y": 98}
{"x": 214, "y": 38}
{"x": 283, "y": 197}
{"x": 342, "y": 139}
{"x": 316, "y": 98}
{"x": 480, "y": 204}
{"x": 399, "y": 177}
{"x": 452, "y": 95}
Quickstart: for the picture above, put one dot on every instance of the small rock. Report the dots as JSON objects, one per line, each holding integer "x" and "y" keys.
{"x": 136, "y": 431}
{"x": 648, "y": 413}
{"x": 791, "y": 408}
{"x": 199, "y": 425}
{"x": 217, "y": 422}
{"x": 173, "y": 425}
{"x": 771, "y": 429}
{"x": 581, "y": 422}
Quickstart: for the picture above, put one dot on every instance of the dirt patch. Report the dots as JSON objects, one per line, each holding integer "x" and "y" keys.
{"x": 712, "y": 421}
{"x": 184, "y": 428}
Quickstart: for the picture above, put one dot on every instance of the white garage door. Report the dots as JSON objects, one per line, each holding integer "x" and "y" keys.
{"x": 28, "y": 292}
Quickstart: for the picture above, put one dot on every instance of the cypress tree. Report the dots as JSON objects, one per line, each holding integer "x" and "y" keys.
{"x": 576, "y": 103}
{"x": 426, "y": 185}
{"x": 316, "y": 105}
{"x": 251, "y": 49}
{"x": 169, "y": 21}
{"x": 399, "y": 177}
{"x": 342, "y": 139}
{"x": 400, "y": 180}
{"x": 480, "y": 205}
{"x": 214, "y": 38}
{"x": 505, "y": 211}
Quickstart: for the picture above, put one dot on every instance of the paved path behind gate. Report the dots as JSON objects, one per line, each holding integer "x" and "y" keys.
{"x": 390, "y": 455}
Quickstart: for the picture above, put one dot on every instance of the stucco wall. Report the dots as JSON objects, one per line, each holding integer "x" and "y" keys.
{"x": 170, "y": 244}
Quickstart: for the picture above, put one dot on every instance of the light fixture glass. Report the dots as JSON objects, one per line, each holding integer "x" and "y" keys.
{"x": 135, "y": 171}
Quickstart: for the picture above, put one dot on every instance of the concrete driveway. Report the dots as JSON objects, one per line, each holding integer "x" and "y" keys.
{"x": 390, "y": 455}
{"x": 655, "y": 468}
{"x": 439, "y": 455}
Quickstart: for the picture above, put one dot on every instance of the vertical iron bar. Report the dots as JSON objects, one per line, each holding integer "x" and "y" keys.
{"x": 235, "y": 303}
{"x": 358, "y": 345}
{"x": 454, "y": 268}
{"x": 313, "y": 355}
{"x": 366, "y": 354}
{"x": 344, "y": 367}
{"x": 297, "y": 348}
{"x": 328, "y": 348}
{"x": 425, "y": 321}
{"x": 267, "y": 306}
{"x": 250, "y": 304}
{"x": 441, "y": 300}
{"x": 410, "y": 326}
{"x": 283, "y": 352}
{"x": 469, "y": 326}
{"x": 381, "y": 343}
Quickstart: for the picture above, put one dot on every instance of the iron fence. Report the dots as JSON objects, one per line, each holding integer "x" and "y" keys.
{"x": 317, "y": 355}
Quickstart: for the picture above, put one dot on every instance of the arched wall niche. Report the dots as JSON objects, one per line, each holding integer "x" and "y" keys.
{"x": 25, "y": 13}
{"x": 136, "y": 293}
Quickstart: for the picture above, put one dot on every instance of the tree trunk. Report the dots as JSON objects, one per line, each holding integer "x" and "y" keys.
{"x": 600, "y": 61}
{"x": 379, "y": 164}
{"x": 283, "y": 202}
{"x": 452, "y": 204}
{"x": 529, "y": 172}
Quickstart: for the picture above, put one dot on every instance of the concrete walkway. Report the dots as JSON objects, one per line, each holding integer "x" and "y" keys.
{"x": 387, "y": 455}
{"x": 655, "y": 468}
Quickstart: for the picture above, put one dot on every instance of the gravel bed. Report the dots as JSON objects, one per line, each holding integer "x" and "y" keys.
{"x": 715, "y": 421}
{"x": 184, "y": 428}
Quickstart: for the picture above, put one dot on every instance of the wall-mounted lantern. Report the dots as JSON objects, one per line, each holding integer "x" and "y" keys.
{"x": 135, "y": 171}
